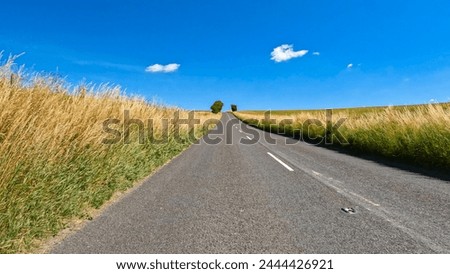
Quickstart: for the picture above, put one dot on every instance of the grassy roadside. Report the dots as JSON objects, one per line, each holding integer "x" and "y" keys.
{"x": 418, "y": 134}
{"x": 54, "y": 163}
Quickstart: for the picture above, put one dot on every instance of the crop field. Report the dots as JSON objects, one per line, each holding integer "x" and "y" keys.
{"x": 66, "y": 150}
{"x": 415, "y": 134}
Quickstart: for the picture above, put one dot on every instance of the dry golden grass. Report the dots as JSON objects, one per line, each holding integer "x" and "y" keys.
{"x": 418, "y": 134}
{"x": 411, "y": 117}
{"x": 53, "y": 163}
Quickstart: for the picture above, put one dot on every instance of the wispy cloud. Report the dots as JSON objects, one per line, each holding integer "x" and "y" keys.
{"x": 107, "y": 65}
{"x": 316, "y": 53}
{"x": 286, "y": 52}
{"x": 162, "y": 68}
{"x": 349, "y": 66}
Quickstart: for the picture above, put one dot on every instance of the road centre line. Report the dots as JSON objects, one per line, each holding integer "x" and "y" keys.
{"x": 281, "y": 162}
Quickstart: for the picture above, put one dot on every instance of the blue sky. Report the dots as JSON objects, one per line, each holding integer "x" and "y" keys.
{"x": 399, "y": 50}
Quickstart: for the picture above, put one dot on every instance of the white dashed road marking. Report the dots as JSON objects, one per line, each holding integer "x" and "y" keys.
{"x": 281, "y": 162}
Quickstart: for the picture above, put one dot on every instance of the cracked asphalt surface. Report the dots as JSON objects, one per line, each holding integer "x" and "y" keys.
{"x": 232, "y": 197}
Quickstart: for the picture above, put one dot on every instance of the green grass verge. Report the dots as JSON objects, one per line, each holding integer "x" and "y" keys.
{"x": 42, "y": 197}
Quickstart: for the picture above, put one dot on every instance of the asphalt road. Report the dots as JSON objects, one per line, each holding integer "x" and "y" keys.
{"x": 247, "y": 195}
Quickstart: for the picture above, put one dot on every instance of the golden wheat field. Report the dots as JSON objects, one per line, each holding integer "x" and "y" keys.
{"x": 54, "y": 161}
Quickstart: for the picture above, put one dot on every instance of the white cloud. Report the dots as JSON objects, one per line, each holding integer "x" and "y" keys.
{"x": 286, "y": 52}
{"x": 162, "y": 68}
{"x": 316, "y": 53}
{"x": 349, "y": 66}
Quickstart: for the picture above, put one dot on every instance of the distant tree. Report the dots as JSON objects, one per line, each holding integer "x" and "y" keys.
{"x": 233, "y": 107}
{"x": 217, "y": 107}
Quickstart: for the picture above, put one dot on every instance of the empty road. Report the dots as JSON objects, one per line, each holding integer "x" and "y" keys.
{"x": 244, "y": 194}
